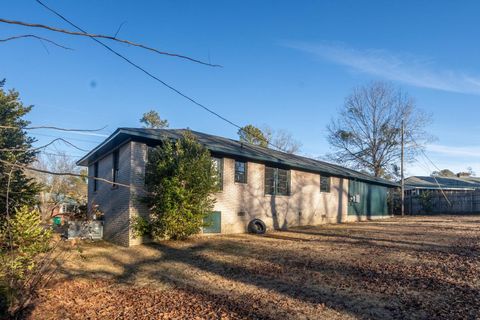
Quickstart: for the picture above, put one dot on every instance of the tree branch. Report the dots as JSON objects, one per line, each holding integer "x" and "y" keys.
{"x": 36, "y": 37}
{"x": 101, "y": 36}
{"x": 44, "y": 146}
{"x": 51, "y": 127}
{"x": 71, "y": 174}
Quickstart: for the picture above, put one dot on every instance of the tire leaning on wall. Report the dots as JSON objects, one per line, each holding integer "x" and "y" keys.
{"x": 257, "y": 226}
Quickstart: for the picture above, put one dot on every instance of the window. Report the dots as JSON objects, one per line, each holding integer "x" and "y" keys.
{"x": 95, "y": 175}
{"x": 218, "y": 165}
{"x": 277, "y": 181}
{"x": 115, "y": 168}
{"x": 240, "y": 171}
{"x": 324, "y": 184}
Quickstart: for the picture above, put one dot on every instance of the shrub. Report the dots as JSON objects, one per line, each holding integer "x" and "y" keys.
{"x": 22, "y": 241}
{"x": 180, "y": 180}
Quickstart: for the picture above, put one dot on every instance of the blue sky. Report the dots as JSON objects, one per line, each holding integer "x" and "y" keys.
{"x": 287, "y": 64}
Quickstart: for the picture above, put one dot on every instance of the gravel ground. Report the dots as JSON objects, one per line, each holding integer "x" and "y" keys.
{"x": 400, "y": 268}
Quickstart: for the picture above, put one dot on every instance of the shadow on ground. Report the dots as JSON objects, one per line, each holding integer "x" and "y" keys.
{"x": 369, "y": 271}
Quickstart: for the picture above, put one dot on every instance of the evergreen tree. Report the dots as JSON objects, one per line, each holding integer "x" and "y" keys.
{"x": 152, "y": 120}
{"x": 15, "y": 148}
{"x": 253, "y": 135}
{"x": 181, "y": 179}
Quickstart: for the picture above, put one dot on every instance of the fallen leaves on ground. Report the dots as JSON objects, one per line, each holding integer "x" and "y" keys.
{"x": 401, "y": 268}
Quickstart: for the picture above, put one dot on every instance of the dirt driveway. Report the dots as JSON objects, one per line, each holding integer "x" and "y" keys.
{"x": 402, "y": 268}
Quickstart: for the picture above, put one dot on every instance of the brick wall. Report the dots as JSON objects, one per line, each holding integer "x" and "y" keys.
{"x": 137, "y": 180}
{"x": 306, "y": 205}
{"x": 114, "y": 202}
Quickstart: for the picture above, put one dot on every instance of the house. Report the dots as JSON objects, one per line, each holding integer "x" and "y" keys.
{"x": 449, "y": 195}
{"x": 281, "y": 189}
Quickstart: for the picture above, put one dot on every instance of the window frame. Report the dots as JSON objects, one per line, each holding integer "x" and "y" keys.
{"x": 244, "y": 173}
{"x": 95, "y": 175}
{"x": 276, "y": 181}
{"x": 329, "y": 184}
{"x": 115, "y": 167}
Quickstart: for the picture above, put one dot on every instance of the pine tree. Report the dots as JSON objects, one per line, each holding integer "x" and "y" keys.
{"x": 15, "y": 148}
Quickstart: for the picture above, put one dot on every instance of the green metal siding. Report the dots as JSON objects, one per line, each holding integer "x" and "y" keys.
{"x": 213, "y": 222}
{"x": 372, "y": 199}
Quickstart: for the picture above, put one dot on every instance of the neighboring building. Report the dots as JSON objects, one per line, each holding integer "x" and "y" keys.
{"x": 447, "y": 195}
{"x": 281, "y": 189}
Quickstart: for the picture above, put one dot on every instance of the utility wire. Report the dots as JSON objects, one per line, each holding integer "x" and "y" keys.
{"x": 138, "y": 67}
{"x": 135, "y": 65}
{"x": 434, "y": 165}
{"x": 434, "y": 178}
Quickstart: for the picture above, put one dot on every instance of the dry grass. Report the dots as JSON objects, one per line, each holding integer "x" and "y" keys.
{"x": 415, "y": 268}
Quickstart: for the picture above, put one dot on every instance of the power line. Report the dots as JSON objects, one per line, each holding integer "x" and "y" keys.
{"x": 129, "y": 61}
{"x": 139, "y": 67}
{"x": 434, "y": 178}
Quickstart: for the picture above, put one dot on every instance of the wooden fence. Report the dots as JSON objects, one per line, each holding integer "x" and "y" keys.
{"x": 434, "y": 201}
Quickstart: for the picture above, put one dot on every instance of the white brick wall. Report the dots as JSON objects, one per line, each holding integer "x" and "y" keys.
{"x": 305, "y": 206}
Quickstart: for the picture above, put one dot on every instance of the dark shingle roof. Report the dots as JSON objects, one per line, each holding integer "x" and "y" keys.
{"x": 224, "y": 146}
{"x": 451, "y": 183}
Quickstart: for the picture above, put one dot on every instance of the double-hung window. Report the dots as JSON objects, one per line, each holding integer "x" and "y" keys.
{"x": 240, "y": 171}
{"x": 95, "y": 176}
{"x": 325, "y": 183}
{"x": 218, "y": 165}
{"x": 277, "y": 181}
{"x": 115, "y": 168}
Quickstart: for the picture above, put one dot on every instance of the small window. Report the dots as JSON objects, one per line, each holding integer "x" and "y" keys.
{"x": 324, "y": 184}
{"x": 269, "y": 180}
{"x": 277, "y": 181}
{"x": 240, "y": 171}
{"x": 115, "y": 168}
{"x": 95, "y": 175}
{"x": 283, "y": 182}
{"x": 218, "y": 165}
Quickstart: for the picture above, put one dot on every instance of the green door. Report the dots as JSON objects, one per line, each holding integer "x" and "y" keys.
{"x": 213, "y": 222}
{"x": 367, "y": 199}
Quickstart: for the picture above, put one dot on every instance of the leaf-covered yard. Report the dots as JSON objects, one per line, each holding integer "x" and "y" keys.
{"x": 415, "y": 268}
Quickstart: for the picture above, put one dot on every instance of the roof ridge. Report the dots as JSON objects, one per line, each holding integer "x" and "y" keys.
{"x": 219, "y": 144}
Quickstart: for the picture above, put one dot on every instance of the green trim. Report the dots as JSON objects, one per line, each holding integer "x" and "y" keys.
{"x": 213, "y": 222}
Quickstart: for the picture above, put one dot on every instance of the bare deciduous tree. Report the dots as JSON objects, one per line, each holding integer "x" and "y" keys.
{"x": 59, "y": 189}
{"x": 367, "y": 132}
{"x": 282, "y": 140}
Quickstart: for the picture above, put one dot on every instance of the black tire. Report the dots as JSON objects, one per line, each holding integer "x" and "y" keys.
{"x": 257, "y": 226}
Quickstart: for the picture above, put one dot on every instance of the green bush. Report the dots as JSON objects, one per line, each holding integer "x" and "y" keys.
{"x": 22, "y": 240}
{"x": 180, "y": 180}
